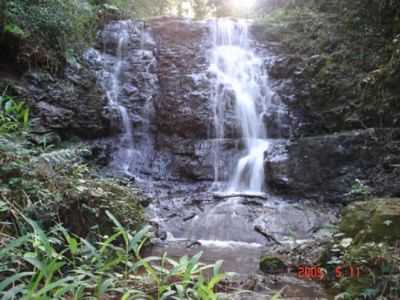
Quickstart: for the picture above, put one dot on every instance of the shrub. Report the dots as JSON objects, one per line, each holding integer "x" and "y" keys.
{"x": 59, "y": 265}
{"x": 14, "y": 115}
{"x": 57, "y": 186}
{"x": 48, "y": 28}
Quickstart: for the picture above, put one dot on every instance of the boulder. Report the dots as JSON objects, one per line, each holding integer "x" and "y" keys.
{"x": 272, "y": 265}
{"x": 367, "y": 239}
{"x": 376, "y": 220}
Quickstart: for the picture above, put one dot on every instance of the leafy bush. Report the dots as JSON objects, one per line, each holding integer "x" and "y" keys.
{"x": 49, "y": 28}
{"x": 58, "y": 186}
{"x": 59, "y": 265}
{"x": 348, "y": 52}
{"x": 359, "y": 191}
{"x": 14, "y": 115}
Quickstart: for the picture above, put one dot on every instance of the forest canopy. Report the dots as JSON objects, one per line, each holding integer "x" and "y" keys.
{"x": 60, "y": 28}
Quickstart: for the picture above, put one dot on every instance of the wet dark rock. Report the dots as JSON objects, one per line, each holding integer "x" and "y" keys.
{"x": 253, "y": 201}
{"x": 107, "y": 39}
{"x": 54, "y": 117}
{"x": 162, "y": 235}
{"x": 45, "y": 139}
{"x": 262, "y": 230}
{"x": 326, "y": 167}
{"x": 277, "y": 123}
{"x": 287, "y": 221}
{"x": 101, "y": 154}
{"x": 267, "y": 286}
{"x": 68, "y": 105}
{"x": 189, "y": 217}
{"x": 194, "y": 159}
{"x": 284, "y": 67}
{"x": 182, "y": 107}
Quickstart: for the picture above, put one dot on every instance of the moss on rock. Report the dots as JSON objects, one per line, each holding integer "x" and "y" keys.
{"x": 377, "y": 220}
{"x": 87, "y": 202}
{"x": 272, "y": 265}
{"x": 368, "y": 241}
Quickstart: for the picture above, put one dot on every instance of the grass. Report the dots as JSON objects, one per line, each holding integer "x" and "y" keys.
{"x": 59, "y": 265}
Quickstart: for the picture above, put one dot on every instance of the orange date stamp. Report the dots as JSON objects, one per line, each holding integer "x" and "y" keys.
{"x": 319, "y": 273}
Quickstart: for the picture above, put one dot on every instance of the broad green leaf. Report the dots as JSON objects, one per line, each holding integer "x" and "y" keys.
{"x": 10, "y": 280}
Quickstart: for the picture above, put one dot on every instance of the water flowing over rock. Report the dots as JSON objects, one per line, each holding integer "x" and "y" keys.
{"x": 192, "y": 101}
{"x": 242, "y": 93}
{"x": 126, "y": 71}
{"x": 197, "y": 113}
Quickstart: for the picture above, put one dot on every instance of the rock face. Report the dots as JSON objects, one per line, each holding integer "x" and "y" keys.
{"x": 327, "y": 167}
{"x": 329, "y": 148}
{"x": 182, "y": 108}
{"x": 71, "y": 105}
{"x": 182, "y": 113}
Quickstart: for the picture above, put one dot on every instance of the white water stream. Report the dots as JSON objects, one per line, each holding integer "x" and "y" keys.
{"x": 240, "y": 77}
{"x": 113, "y": 91}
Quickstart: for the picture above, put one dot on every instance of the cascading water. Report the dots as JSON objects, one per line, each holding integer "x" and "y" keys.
{"x": 113, "y": 90}
{"x": 127, "y": 75}
{"x": 241, "y": 93}
{"x": 135, "y": 73}
{"x": 240, "y": 77}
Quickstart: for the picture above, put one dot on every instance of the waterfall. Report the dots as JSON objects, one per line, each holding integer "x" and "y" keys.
{"x": 241, "y": 82}
{"x": 112, "y": 86}
{"x": 126, "y": 72}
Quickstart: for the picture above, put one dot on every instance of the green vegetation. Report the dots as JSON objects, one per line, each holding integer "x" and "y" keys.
{"x": 359, "y": 192}
{"x": 272, "y": 265}
{"x": 367, "y": 241}
{"x": 46, "y": 33}
{"x": 14, "y": 115}
{"x": 60, "y": 265}
{"x": 58, "y": 186}
{"x": 57, "y": 238}
{"x": 42, "y": 32}
{"x": 348, "y": 53}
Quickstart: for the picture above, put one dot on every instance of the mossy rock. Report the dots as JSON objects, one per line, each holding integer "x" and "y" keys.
{"x": 373, "y": 227}
{"x": 355, "y": 217}
{"x": 377, "y": 220}
{"x": 272, "y": 265}
{"x": 385, "y": 223}
{"x": 86, "y": 205}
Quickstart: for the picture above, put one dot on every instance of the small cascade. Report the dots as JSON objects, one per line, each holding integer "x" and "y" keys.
{"x": 127, "y": 74}
{"x": 242, "y": 84}
{"x": 113, "y": 90}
